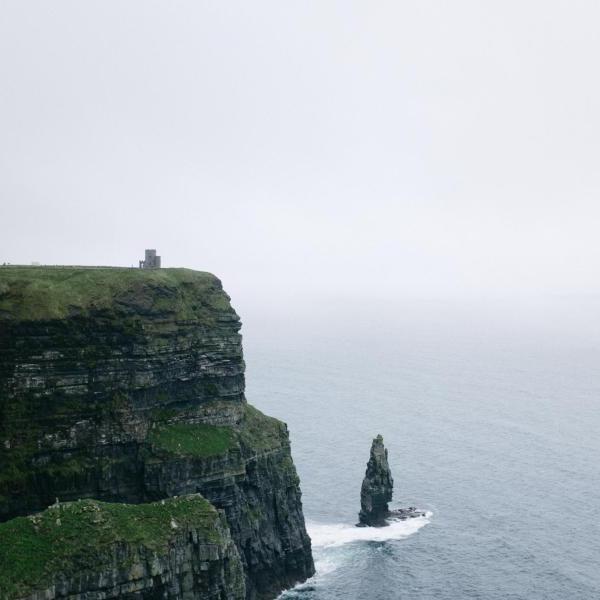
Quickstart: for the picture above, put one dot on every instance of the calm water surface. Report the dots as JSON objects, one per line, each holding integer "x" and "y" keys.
{"x": 491, "y": 428}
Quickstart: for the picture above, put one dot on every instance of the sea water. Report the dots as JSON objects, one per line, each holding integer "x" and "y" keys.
{"x": 492, "y": 422}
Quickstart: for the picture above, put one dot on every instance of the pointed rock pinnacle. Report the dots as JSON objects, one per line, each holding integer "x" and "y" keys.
{"x": 377, "y": 487}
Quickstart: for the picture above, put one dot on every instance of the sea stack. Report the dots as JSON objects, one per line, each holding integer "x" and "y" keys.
{"x": 377, "y": 487}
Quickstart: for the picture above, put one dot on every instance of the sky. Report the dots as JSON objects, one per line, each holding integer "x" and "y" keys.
{"x": 307, "y": 150}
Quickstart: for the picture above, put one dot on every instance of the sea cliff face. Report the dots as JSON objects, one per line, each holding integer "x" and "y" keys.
{"x": 127, "y": 385}
{"x": 176, "y": 548}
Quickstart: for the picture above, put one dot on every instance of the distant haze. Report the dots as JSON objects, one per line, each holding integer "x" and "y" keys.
{"x": 307, "y": 150}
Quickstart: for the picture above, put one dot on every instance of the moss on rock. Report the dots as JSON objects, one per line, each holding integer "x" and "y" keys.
{"x": 256, "y": 432}
{"x": 81, "y": 536}
{"x": 192, "y": 439}
{"x": 259, "y": 431}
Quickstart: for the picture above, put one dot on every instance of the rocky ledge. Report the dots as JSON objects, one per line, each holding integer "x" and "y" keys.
{"x": 127, "y": 386}
{"x": 92, "y": 550}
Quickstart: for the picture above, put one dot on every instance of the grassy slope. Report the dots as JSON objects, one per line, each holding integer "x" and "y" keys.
{"x": 76, "y": 536}
{"x": 192, "y": 439}
{"x": 257, "y": 431}
{"x": 42, "y": 293}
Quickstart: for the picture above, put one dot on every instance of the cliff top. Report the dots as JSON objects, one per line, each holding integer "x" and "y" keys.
{"x": 46, "y": 293}
{"x": 74, "y": 536}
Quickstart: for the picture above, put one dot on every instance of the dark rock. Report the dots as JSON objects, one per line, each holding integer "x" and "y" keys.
{"x": 377, "y": 487}
{"x": 176, "y": 548}
{"x": 401, "y": 514}
{"x": 376, "y": 492}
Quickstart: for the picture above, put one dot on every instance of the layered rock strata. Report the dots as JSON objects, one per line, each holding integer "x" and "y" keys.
{"x": 128, "y": 386}
{"x": 90, "y": 550}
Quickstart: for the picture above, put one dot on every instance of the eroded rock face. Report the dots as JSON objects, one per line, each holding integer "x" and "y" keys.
{"x": 127, "y": 385}
{"x": 377, "y": 487}
{"x": 177, "y": 548}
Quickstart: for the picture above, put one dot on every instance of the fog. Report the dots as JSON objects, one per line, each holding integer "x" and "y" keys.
{"x": 314, "y": 155}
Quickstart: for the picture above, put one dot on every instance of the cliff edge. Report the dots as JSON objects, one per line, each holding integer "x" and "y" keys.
{"x": 127, "y": 386}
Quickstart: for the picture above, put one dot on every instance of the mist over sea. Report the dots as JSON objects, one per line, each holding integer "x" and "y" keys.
{"x": 491, "y": 416}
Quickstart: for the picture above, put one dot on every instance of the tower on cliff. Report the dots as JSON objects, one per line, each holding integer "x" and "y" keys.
{"x": 151, "y": 261}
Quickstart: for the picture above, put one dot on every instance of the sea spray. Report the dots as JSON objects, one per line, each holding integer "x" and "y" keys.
{"x": 332, "y": 535}
{"x": 331, "y": 543}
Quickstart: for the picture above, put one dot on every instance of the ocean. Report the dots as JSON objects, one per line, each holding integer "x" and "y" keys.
{"x": 491, "y": 418}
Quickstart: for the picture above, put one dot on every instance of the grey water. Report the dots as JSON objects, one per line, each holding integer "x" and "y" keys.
{"x": 491, "y": 418}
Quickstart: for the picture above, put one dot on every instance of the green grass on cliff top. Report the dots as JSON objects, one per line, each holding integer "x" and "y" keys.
{"x": 78, "y": 536}
{"x": 43, "y": 293}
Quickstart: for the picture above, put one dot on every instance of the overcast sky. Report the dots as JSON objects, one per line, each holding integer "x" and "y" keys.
{"x": 348, "y": 149}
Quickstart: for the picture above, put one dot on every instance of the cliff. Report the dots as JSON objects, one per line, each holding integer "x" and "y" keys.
{"x": 127, "y": 386}
{"x": 88, "y": 549}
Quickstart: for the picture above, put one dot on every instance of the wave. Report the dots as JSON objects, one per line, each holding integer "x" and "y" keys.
{"x": 332, "y": 535}
{"x": 328, "y": 538}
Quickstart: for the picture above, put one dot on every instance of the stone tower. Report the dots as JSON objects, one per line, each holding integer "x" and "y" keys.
{"x": 151, "y": 260}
